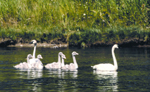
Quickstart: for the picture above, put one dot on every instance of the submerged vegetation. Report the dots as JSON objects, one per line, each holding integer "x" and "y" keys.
{"x": 80, "y": 22}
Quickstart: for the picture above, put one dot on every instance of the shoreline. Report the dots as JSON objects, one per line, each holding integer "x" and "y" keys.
{"x": 134, "y": 42}
{"x": 46, "y": 45}
{"x": 64, "y": 45}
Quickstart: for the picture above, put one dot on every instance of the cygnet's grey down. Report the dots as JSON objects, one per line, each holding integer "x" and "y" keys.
{"x": 38, "y": 64}
{"x": 55, "y": 65}
{"x": 72, "y": 66}
{"x": 24, "y": 65}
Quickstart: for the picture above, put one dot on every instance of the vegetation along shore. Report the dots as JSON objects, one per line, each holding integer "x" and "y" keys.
{"x": 75, "y": 22}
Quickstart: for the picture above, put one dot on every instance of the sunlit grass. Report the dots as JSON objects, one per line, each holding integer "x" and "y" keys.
{"x": 70, "y": 14}
{"x": 94, "y": 20}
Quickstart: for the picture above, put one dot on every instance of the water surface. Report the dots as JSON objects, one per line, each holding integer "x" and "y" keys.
{"x": 132, "y": 75}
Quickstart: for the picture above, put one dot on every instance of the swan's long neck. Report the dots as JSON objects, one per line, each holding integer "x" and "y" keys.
{"x": 28, "y": 60}
{"x": 114, "y": 59}
{"x": 62, "y": 64}
{"x": 74, "y": 61}
{"x": 34, "y": 51}
{"x": 59, "y": 59}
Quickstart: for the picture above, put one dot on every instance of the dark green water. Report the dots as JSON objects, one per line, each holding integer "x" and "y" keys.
{"x": 133, "y": 73}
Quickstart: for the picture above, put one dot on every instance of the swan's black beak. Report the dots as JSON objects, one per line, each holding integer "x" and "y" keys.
{"x": 31, "y": 42}
{"x": 117, "y": 47}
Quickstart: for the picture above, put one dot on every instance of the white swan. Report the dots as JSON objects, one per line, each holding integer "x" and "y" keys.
{"x": 63, "y": 65}
{"x": 33, "y": 60}
{"x": 73, "y": 66}
{"x": 35, "y": 43}
{"x": 24, "y": 65}
{"x": 29, "y": 56}
{"x": 109, "y": 78}
{"x": 55, "y": 65}
{"x": 62, "y": 60}
{"x": 108, "y": 66}
{"x": 38, "y": 64}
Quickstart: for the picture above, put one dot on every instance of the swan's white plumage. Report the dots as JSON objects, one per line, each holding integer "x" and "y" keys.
{"x": 35, "y": 63}
{"x": 24, "y": 65}
{"x": 72, "y": 66}
{"x": 55, "y": 65}
{"x": 104, "y": 67}
{"x": 35, "y": 43}
{"x": 38, "y": 64}
{"x": 33, "y": 60}
{"x": 64, "y": 67}
{"x": 108, "y": 66}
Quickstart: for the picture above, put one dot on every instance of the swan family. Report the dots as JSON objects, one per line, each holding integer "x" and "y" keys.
{"x": 36, "y": 63}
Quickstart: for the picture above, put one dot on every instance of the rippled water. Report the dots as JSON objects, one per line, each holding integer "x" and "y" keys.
{"x": 133, "y": 73}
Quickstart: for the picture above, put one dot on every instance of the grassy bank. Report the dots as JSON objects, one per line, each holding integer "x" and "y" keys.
{"x": 131, "y": 36}
{"x": 80, "y": 22}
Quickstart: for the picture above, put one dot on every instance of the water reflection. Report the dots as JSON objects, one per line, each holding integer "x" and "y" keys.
{"x": 36, "y": 87}
{"x": 70, "y": 74}
{"x": 108, "y": 80}
{"x": 132, "y": 62}
{"x": 62, "y": 74}
{"x": 35, "y": 73}
{"x": 65, "y": 80}
{"x": 32, "y": 76}
{"x": 55, "y": 74}
{"x": 31, "y": 73}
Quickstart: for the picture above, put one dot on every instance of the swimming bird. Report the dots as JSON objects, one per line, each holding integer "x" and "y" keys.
{"x": 35, "y": 43}
{"x": 108, "y": 66}
{"x": 55, "y": 65}
{"x": 24, "y": 65}
{"x": 73, "y": 66}
{"x": 33, "y": 60}
{"x": 29, "y": 56}
{"x": 38, "y": 64}
{"x": 63, "y": 65}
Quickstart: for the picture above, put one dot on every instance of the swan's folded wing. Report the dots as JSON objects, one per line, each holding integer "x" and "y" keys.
{"x": 104, "y": 67}
{"x": 40, "y": 62}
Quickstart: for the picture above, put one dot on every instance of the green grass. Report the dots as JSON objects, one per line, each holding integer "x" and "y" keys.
{"x": 88, "y": 37}
{"x": 81, "y": 22}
